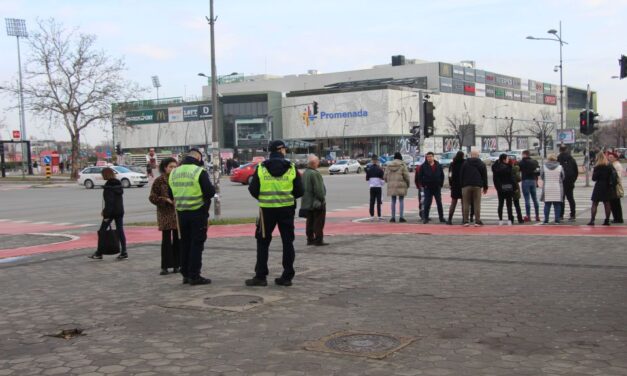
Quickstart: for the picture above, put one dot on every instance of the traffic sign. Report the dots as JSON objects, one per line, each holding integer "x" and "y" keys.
{"x": 47, "y": 159}
{"x": 17, "y": 136}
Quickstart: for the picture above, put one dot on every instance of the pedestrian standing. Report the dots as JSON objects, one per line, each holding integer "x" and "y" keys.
{"x": 374, "y": 177}
{"x": 192, "y": 192}
{"x": 474, "y": 180}
{"x": 314, "y": 202}
{"x": 516, "y": 197}
{"x": 571, "y": 171}
{"x": 166, "y": 217}
{"x": 113, "y": 210}
{"x": 276, "y": 185}
{"x": 61, "y": 167}
{"x": 455, "y": 184}
{"x": 529, "y": 172}
{"x": 552, "y": 188}
{"x": 615, "y": 204}
{"x": 396, "y": 176}
{"x": 603, "y": 190}
{"x": 504, "y": 185}
{"x": 431, "y": 178}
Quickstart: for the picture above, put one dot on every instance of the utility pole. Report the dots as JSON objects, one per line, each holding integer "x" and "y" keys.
{"x": 587, "y": 156}
{"x": 215, "y": 137}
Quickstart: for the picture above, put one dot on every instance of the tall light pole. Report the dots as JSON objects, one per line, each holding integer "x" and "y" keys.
{"x": 17, "y": 28}
{"x": 156, "y": 84}
{"x": 215, "y": 137}
{"x": 558, "y": 38}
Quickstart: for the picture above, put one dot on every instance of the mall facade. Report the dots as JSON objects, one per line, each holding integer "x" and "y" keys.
{"x": 357, "y": 113}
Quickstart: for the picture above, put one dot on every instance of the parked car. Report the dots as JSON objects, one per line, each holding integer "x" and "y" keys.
{"x": 140, "y": 170}
{"x": 494, "y": 155}
{"x": 91, "y": 177}
{"x": 244, "y": 173}
{"x": 345, "y": 166}
{"x": 408, "y": 159}
{"x": 445, "y": 159}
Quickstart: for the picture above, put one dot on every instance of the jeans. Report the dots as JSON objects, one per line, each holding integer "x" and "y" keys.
{"x": 119, "y": 229}
{"x": 505, "y": 198}
{"x": 547, "y": 211}
{"x": 375, "y": 195}
{"x": 529, "y": 189}
{"x": 569, "y": 188}
{"x": 401, "y": 205}
{"x": 430, "y": 194}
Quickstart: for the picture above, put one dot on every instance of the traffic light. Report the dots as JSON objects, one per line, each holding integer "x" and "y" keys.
{"x": 118, "y": 149}
{"x": 623, "y": 66}
{"x": 315, "y": 108}
{"x": 592, "y": 121}
{"x": 583, "y": 122}
{"x": 428, "y": 108}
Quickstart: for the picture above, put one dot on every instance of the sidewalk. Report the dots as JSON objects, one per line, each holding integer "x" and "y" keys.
{"x": 426, "y": 305}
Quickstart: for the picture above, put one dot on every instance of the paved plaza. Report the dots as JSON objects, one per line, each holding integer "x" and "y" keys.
{"x": 406, "y": 304}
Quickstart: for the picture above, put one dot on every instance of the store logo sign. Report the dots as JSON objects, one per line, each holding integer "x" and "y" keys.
{"x": 308, "y": 116}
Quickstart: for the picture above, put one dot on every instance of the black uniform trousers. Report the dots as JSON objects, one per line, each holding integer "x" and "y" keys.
{"x": 269, "y": 218}
{"x": 193, "y": 226}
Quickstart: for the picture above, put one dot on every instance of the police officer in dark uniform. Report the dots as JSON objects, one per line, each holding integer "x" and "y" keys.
{"x": 276, "y": 185}
{"x": 192, "y": 192}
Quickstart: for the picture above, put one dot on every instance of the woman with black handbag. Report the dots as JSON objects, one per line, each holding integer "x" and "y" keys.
{"x": 113, "y": 211}
{"x": 504, "y": 184}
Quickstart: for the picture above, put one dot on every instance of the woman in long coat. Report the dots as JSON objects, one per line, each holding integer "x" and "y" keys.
{"x": 166, "y": 217}
{"x": 603, "y": 191}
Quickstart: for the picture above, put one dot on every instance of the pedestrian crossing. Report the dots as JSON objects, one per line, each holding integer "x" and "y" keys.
{"x": 7, "y": 221}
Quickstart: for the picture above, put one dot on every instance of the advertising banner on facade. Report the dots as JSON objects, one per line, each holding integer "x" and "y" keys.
{"x": 522, "y": 143}
{"x": 550, "y": 99}
{"x": 252, "y": 133}
{"x": 480, "y": 76}
{"x": 458, "y": 72}
{"x": 175, "y": 114}
{"x": 446, "y": 70}
{"x": 489, "y": 91}
{"x": 161, "y": 115}
{"x": 469, "y": 88}
{"x": 450, "y": 144}
{"x": 517, "y": 95}
{"x": 190, "y": 113}
{"x": 204, "y": 111}
{"x": 547, "y": 88}
{"x": 458, "y": 86}
{"x": 446, "y": 85}
{"x": 490, "y": 78}
{"x": 499, "y": 93}
{"x": 488, "y": 144}
{"x": 469, "y": 75}
{"x": 139, "y": 117}
{"x": 509, "y": 94}
{"x": 566, "y": 136}
{"x": 480, "y": 90}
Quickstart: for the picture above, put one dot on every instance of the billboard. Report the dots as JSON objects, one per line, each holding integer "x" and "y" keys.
{"x": 446, "y": 85}
{"x": 566, "y": 136}
{"x": 469, "y": 88}
{"x": 480, "y": 76}
{"x": 139, "y": 117}
{"x": 488, "y": 144}
{"x": 458, "y": 72}
{"x": 480, "y": 90}
{"x": 446, "y": 70}
{"x": 175, "y": 114}
{"x": 550, "y": 99}
{"x": 469, "y": 74}
{"x": 161, "y": 115}
{"x": 252, "y": 133}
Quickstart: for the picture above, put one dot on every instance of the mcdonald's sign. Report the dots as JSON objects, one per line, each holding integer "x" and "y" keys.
{"x": 161, "y": 115}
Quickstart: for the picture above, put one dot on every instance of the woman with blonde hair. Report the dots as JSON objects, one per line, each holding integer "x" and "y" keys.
{"x": 603, "y": 190}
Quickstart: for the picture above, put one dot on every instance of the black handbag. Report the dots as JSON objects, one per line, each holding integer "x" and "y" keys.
{"x": 108, "y": 241}
{"x": 302, "y": 213}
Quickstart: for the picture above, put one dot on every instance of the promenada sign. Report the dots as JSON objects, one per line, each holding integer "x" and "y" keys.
{"x": 309, "y": 117}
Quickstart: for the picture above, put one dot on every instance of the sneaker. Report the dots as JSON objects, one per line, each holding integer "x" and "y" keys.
{"x": 449, "y": 222}
{"x": 442, "y": 220}
{"x": 538, "y": 219}
{"x": 95, "y": 256}
{"x": 392, "y": 220}
{"x": 402, "y": 220}
{"x": 478, "y": 224}
{"x": 164, "y": 272}
{"x": 122, "y": 256}
{"x": 256, "y": 281}
{"x": 381, "y": 219}
{"x": 606, "y": 222}
{"x": 526, "y": 219}
{"x": 545, "y": 223}
{"x": 466, "y": 224}
{"x": 283, "y": 282}
{"x": 199, "y": 281}
{"x": 371, "y": 219}
{"x": 591, "y": 223}
{"x": 509, "y": 223}
{"x": 500, "y": 223}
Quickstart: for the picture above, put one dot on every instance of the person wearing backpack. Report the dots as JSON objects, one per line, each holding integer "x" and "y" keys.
{"x": 603, "y": 190}
{"x": 571, "y": 171}
{"x": 615, "y": 204}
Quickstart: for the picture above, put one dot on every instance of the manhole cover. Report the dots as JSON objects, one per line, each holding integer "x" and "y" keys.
{"x": 68, "y": 333}
{"x": 233, "y": 300}
{"x": 371, "y": 345}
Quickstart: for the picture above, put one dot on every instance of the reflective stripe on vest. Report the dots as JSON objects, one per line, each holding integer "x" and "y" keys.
{"x": 276, "y": 191}
{"x": 185, "y": 187}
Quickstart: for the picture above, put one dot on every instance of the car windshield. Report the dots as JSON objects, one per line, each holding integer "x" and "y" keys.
{"x": 342, "y": 162}
{"x": 495, "y": 153}
{"x": 121, "y": 170}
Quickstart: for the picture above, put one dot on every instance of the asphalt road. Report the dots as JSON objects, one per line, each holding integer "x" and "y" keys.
{"x": 75, "y": 204}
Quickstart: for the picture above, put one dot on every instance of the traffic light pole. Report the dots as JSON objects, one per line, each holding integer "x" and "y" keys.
{"x": 587, "y": 157}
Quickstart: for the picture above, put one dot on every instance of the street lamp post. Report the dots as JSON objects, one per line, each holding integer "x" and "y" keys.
{"x": 17, "y": 28}
{"x": 558, "y": 38}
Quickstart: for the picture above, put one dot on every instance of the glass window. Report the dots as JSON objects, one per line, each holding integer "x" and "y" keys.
{"x": 121, "y": 170}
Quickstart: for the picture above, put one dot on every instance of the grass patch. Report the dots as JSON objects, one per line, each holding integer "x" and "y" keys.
{"x": 212, "y": 222}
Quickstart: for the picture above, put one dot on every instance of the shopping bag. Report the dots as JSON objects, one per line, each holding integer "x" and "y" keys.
{"x": 108, "y": 241}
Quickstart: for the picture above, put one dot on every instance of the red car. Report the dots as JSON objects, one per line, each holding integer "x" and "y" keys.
{"x": 244, "y": 174}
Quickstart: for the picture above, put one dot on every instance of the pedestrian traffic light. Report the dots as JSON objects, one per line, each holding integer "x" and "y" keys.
{"x": 315, "y": 108}
{"x": 623, "y": 66}
{"x": 428, "y": 108}
{"x": 583, "y": 122}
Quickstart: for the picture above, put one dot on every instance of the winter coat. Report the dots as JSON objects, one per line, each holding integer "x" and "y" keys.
{"x": 397, "y": 177}
{"x": 113, "y": 201}
{"x": 569, "y": 165}
{"x": 429, "y": 178}
{"x": 620, "y": 191}
{"x": 502, "y": 174}
{"x": 517, "y": 179}
{"x": 474, "y": 173}
{"x": 454, "y": 179}
{"x": 553, "y": 178}
{"x": 374, "y": 176}
{"x": 529, "y": 168}
{"x": 166, "y": 216}
{"x": 602, "y": 191}
{"x": 314, "y": 190}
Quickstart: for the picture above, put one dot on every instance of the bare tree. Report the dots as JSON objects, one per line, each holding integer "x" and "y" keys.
{"x": 542, "y": 127}
{"x": 68, "y": 78}
{"x": 462, "y": 127}
{"x": 508, "y": 132}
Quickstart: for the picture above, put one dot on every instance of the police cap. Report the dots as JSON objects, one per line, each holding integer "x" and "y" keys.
{"x": 275, "y": 145}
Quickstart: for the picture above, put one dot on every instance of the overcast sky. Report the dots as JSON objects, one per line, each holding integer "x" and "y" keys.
{"x": 170, "y": 38}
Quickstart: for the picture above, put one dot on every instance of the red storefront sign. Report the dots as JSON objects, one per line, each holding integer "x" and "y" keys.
{"x": 550, "y": 99}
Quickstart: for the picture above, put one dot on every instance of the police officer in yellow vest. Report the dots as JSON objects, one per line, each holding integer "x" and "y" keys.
{"x": 276, "y": 185}
{"x": 192, "y": 192}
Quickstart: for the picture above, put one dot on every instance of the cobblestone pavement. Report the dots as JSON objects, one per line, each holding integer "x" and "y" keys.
{"x": 467, "y": 305}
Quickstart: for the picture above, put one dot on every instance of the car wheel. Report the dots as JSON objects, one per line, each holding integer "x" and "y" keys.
{"x": 126, "y": 183}
{"x": 88, "y": 184}
{"x": 359, "y": 170}
{"x": 345, "y": 171}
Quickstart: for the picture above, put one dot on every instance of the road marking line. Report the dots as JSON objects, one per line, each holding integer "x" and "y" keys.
{"x": 41, "y": 223}
{"x": 21, "y": 221}
{"x": 87, "y": 225}
{"x": 64, "y": 224}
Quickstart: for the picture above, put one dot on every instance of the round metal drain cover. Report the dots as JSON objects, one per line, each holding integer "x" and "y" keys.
{"x": 233, "y": 300}
{"x": 363, "y": 343}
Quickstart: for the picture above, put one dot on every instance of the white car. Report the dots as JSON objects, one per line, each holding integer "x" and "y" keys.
{"x": 92, "y": 176}
{"x": 345, "y": 166}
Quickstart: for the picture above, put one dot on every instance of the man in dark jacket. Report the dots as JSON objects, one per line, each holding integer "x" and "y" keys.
{"x": 276, "y": 185}
{"x": 571, "y": 171}
{"x": 474, "y": 179}
{"x": 192, "y": 191}
{"x": 529, "y": 172}
{"x": 431, "y": 179}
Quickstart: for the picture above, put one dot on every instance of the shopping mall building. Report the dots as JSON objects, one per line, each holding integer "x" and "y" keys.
{"x": 358, "y": 112}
